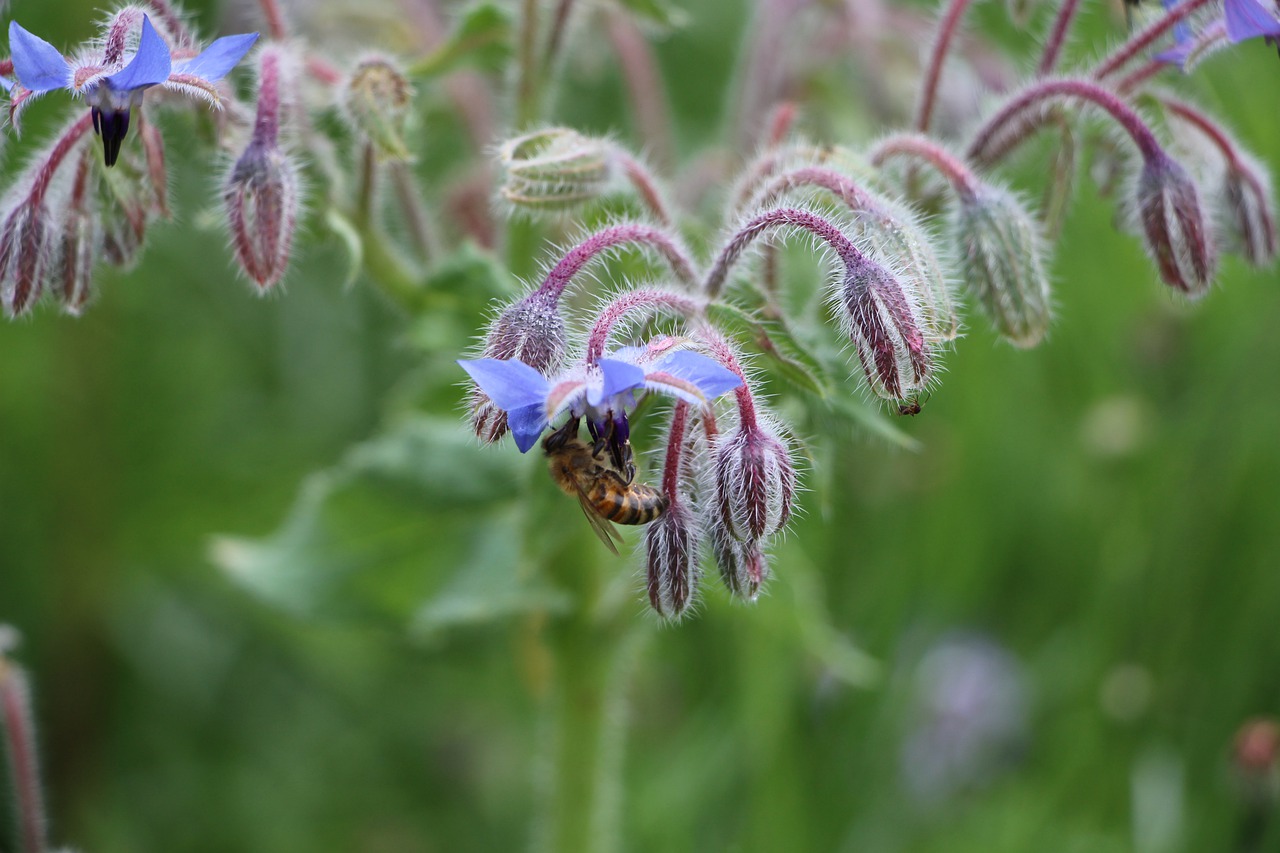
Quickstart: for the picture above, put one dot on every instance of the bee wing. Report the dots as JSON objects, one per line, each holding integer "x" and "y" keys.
{"x": 601, "y": 525}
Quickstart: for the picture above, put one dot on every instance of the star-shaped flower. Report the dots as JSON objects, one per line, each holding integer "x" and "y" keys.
{"x": 111, "y": 82}
{"x": 602, "y": 392}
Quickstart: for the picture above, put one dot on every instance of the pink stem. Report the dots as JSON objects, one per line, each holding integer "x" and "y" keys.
{"x": 781, "y": 217}
{"x": 1147, "y": 37}
{"x": 675, "y": 448}
{"x": 1140, "y": 75}
{"x": 635, "y": 300}
{"x": 618, "y": 235}
{"x": 1058, "y": 36}
{"x": 1205, "y": 125}
{"x": 723, "y": 353}
{"x": 644, "y": 87}
{"x": 266, "y": 126}
{"x": 842, "y": 187}
{"x": 922, "y": 148}
{"x": 937, "y": 57}
{"x": 15, "y": 712}
{"x": 64, "y": 146}
{"x": 275, "y": 19}
{"x": 1029, "y": 99}
{"x": 645, "y": 185}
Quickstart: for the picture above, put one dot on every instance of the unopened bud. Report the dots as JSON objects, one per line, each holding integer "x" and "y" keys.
{"x": 74, "y": 254}
{"x": 1256, "y": 761}
{"x": 1001, "y": 256}
{"x": 531, "y": 330}
{"x": 378, "y": 96}
{"x": 672, "y": 566}
{"x": 884, "y": 319}
{"x": 1173, "y": 223}
{"x": 1249, "y": 219}
{"x": 755, "y": 481}
{"x": 554, "y": 169}
{"x": 261, "y": 199}
{"x": 22, "y": 257}
{"x": 744, "y": 568}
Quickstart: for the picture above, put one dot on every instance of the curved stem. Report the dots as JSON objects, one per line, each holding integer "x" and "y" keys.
{"x": 991, "y": 142}
{"x": 645, "y": 184}
{"x": 643, "y": 79}
{"x": 924, "y": 149}
{"x": 1058, "y": 36}
{"x": 1206, "y": 126}
{"x": 788, "y": 218}
{"x": 57, "y": 154}
{"x": 720, "y": 350}
{"x": 635, "y": 300}
{"x": 937, "y": 57}
{"x": 841, "y": 186}
{"x": 618, "y": 235}
{"x": 675, "y": 452}
{"x": 1140, "y": 75}
{"x": 275, "y": 19}
{"x": 1147, "y": 37}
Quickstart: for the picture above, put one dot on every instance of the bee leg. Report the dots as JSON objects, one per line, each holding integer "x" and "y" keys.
{"x": 561, "y": 437}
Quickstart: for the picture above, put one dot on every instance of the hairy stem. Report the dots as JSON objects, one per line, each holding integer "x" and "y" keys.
{"x": 1143, "y": 39}
{"x": 636, "y": 300}
{"x": 643, "y": 236}
{"x": 646, "y": 185}
{"x": 66, "y": 144}
{"x": 923, "y": 149}
{"x": 992, "y": 140}
{"x": 1057, "y": 36}
{"x": 785, "y": 218}
{"x": 17, "y": 726}
{"x": 644, "y": 86}
{"x": 937, "y": 57}
{"x": 275, "y": 19}
{"x": 527, "y": 88}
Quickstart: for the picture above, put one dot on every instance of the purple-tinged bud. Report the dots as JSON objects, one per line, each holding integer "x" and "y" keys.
{"x": 671, "y": 547}
{"x": 1249, "y": 221}
{"x": 23, "y": 257}
{"x": 261, "y": 191}
{"x": 531, "y": 330}
{"x": 17, "y": 732}
{"x": 755, "y": 481}
{"x": 1001, "y": 254}
{"x": 884, "y": 318}
{"x": 554, "y": 169}
{"x": 744, "y": 567}
{"x": 1174, "y": 226}
{"x": 71, "y": 267}
{"x": 377, "y": 97}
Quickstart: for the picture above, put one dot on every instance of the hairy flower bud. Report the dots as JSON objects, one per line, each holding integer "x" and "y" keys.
{"x": 378, "y": 97}
{"x": 671, "y": 546}
{"x": 1174, "y": 226}
{"x": 71, "y": 266}
{"x": 755, "y": 481}
{"x": 531, "y": 330}
{"x": 1001, "y": 256}
{"x": 554, "y": 169}
{"x": 883, "y": 316}
{"x": 1249, "y": 219}
{"x": 261, "y": 198}
{"x": 23, "y": 257}
{"x": 744, "y": 567}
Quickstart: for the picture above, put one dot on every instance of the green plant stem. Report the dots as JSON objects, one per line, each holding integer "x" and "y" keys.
{"x": 399, "y": 280}
{"x": 528, "y": 82}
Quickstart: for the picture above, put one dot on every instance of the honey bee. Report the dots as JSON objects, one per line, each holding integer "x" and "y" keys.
{"x": 604, "y": 489}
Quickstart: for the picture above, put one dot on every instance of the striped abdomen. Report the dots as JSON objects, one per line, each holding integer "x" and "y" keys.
{"x": 633, "y": 504}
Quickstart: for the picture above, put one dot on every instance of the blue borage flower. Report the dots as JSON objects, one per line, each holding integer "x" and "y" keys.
{"x": 113, "y": 85}
{"x": 1241, "y": 20}
{"x": 602, "y": 392}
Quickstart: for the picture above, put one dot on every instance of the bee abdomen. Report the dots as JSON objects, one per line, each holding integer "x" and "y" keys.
{"x": 637, "y": 504}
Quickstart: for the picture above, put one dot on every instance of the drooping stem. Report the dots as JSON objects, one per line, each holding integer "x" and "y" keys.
{"x": 1058, "y": 36}
{"x": 66, "y": 143}
{"x": 644, "y": 299}
{"x": 1207, "y": 126}
{"x": 1131, "y": 81}
{"x": 675, "y": 452}
{"x": 644, "y": 236}
{"x": 1201, "y": 45}
{"x": 18, "y": 728}
{"x": 785, "y": 218}
{"x": 1024, "y": 114}
{"x": 937, "y": 57}
{"x": 417, "y": 223}
{"x": 1143, "y": 39}
{"x": 923, "y": 149}
{"x": 841, "y": 186}
{"x": 555, "y": 39}
{"x": 646, "y": 185}
{"x": 172, "y": 22}
{"x": 719, "y": 349}
{"x": 275, "y": 19}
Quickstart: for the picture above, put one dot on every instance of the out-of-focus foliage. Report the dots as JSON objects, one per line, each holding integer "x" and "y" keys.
{"x": 1091, "y": 522}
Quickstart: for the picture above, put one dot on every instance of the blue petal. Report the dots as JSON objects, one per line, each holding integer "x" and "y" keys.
{"x": 511, "y": 384}
{"x": 1175, "y": 55}
{"x": 526, "y": 424}
{"x": 218, "y": 58}
{"x": 6, "y": 84}
{"x": 38, "y": 65}
{"x": 1247, "y": 19}
{"x": 616, "y": 377}
{"x": 149, "y": 66}
{"x": 711, "y": 377}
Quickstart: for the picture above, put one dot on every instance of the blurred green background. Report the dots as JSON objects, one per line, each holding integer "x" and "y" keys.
{"x": 1087, "y": 541}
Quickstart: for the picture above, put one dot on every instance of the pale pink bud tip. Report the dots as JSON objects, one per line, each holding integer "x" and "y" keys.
{"x": 261, "y": 198}
{"x": 1173, "y": 223}
{"x": 671, "y": 548}
{"x": 755, "y": 482}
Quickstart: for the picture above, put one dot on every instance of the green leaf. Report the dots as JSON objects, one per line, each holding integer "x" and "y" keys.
{"x": 483, "y": 38}
{"x": 658, "y": 13}
{"x": 793, "y": 363}
{"x": 871, "y": 419}
{"x": 403, "y": 532}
